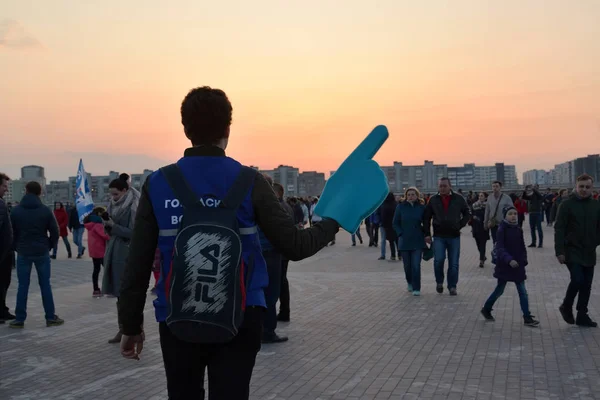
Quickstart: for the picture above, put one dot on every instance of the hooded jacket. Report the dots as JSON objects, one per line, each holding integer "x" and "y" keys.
{"x": 34, "y": 227}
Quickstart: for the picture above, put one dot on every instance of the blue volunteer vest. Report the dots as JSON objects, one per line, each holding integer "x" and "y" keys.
{"x": 210, "y": 178}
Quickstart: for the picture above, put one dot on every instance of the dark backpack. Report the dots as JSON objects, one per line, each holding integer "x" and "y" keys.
{"x": 207, "y": 281}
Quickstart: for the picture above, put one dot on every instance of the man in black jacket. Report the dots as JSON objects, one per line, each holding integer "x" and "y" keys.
{"x": 450, "y": 213}
{"x": 6, "y": 252}
{"x": 536, "y": 200}
{"x": 35, "y": 232}
{"x": 206, "y": 117}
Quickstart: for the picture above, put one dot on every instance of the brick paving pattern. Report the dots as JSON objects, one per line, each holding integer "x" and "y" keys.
{"x": 356, "y": 333}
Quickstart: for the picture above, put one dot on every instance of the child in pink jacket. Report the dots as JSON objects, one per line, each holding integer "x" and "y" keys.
{"x": 97, "y": 239}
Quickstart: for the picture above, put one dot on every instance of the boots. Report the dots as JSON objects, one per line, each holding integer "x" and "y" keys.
{"x": 118, "y": 336}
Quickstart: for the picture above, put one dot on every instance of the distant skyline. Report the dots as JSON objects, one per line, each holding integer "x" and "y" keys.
{"x": 469, "y": 81}
{"x": 95, "y": 164}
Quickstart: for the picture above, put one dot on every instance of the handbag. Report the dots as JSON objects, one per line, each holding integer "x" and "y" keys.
{"x": 427, "y": 253}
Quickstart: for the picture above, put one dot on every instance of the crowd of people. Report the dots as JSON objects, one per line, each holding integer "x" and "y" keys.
{"x": 219, "y": 237}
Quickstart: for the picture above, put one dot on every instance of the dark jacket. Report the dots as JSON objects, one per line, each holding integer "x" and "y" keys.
{"x": 477, "y": 225}
{"x": 577, "y": 230}
{"x": 34, "y": 227}
{"x": 388, "y": 208}
{"x": 6, "y": 233}
{"x": 264, "y": 242}
{"x": 271, "y": 217}
{"x": 554, "y": 210}
{"x": 535, "y": 200}
{"x": 74, "y": 219}
{"x": 408, "y": 224}
{"x": 446, "y": 224}
{"x": 510, "y": 245}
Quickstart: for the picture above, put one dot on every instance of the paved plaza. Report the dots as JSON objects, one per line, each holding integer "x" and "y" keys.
{"x": 356, "y": 333}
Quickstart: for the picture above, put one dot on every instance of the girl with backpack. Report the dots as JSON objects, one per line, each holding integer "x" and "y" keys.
{"x": 511, "y": 260}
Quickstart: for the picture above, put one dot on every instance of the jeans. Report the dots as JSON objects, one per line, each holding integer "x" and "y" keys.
{"x": 523, "y": 298}
{"x": 356, "y": 235}
{"x": 67, "y": 245}
{"x": 494, "y": 232}
{"x": 412, "y": 267}
{"x": 284, "y": 293}
{"x": 382, "y": 237}
{"x": 273, "y": 260}
{"x": 5, "y": 278}
{"x": 42, "y": 266}
{"x": 229, "y": 364}
{"x": 374, "y": 234}
{"x": 78, "y": 240}
{"x": 481, "y": 246}
{"x": 452, "y": 247}
{"x": 535, "y": 222}
{"x": 581, "y": 283}
{"x": 521, "y": 220}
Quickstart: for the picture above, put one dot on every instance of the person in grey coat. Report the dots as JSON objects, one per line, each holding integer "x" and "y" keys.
{"x": 118, "y": 223}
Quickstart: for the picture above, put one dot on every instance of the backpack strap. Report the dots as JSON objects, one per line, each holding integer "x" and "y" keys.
{"x": 237, "y": 193}
{"x": 180, "y": 187}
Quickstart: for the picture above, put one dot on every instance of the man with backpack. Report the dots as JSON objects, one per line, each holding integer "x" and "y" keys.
{"x": 203, "y": 213}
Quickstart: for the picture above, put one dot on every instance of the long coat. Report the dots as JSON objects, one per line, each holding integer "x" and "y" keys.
{"x": 62, "y": 218}
{"x": 117, "y": 251}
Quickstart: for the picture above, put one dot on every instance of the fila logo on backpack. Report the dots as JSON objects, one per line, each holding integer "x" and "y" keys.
{"x": 206, "y": 285}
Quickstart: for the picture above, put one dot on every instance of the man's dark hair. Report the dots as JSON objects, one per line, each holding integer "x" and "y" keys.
{"x": 124, "y": 177}
{"x": 445, "y": 179}
{"x": 3, "y": 177}
{"x": 206, "y": 115}
{"x": 278, "y": 189}
{"x": 118, "y": 184}
{"x": 498, "y": 182}
{"x": 585, "y": 177}
{"x": 33, "y": 187}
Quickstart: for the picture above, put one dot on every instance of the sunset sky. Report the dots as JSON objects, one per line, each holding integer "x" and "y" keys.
{"x": 455, "y": 81}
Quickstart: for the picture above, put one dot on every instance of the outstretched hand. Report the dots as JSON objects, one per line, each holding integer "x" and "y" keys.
{"x": 359, "y": 185}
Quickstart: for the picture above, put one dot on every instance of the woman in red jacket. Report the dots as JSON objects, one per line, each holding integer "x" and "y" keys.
{"x": 62, "y": 218}
{"x": 521, "y": 206}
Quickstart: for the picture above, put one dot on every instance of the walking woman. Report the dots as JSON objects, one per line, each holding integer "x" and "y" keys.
{"x": 408, "y": 225}
{"x": 118, "y": 223}
{"x": 480, "y": 234}
{"x": 388, "y": 209}
{"x": 62, "y": 218}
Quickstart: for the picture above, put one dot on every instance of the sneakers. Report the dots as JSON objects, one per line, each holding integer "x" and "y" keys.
{"x": 416, "y": 293}
{"x": 393, "y": 259}
{"x": 453, "y": 291}
{"x": 274, "y": 338}
{"x": 532, "y": 245}
{"x": 540, "y": 246}
{"x": 97, "y": 293}
{"x": 567, "y": 314}
{"x": 17, "y": 324}
{"x": 487, "y": 314}
{"x": 381, "y": 258}
{"x": 361, "y": 242}
{"x": 530, "y": 321}
{"x": 54, "y": 322}
{"x": 585, "y": 320}
{"x": 353, "y": 244}
{"x": 481, "y": 264}
{"x": 410, "y": 287}
{"x": 439, "y": 288}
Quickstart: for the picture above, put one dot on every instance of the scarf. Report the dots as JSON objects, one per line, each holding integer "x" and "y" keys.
{"x": 116, "y": 209}
{"x": 478, "y": 205}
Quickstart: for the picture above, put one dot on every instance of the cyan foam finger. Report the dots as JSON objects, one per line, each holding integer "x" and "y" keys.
{"x": 367, "y": 149}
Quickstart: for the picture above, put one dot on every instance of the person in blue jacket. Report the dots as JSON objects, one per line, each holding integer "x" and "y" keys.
{"x": 206, "y": 115}
{"x": 408, "y": 224}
